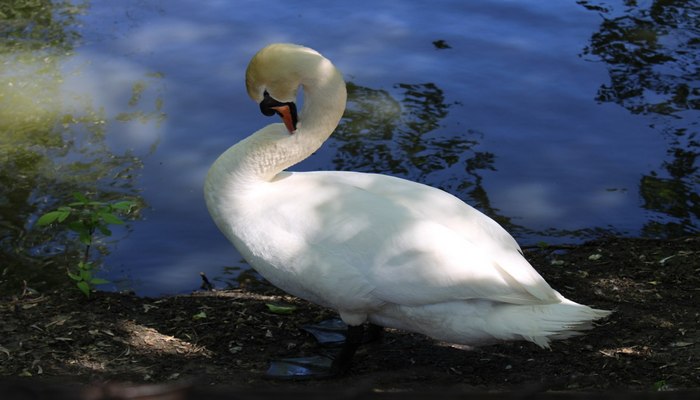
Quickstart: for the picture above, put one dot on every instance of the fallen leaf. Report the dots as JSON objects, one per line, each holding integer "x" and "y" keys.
{"x": 148, "y": 307}
{"x": 663, "y": 260}
{"x": 200, "y": 315}
{"x": 280, "y": 309}
{"x": 682, "y": 344}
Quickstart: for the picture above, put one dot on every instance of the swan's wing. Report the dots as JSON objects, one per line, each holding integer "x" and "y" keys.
{"x": 364, "y": 238}
{"x": 482, "y": 234}
{"x": 435, "y": 204}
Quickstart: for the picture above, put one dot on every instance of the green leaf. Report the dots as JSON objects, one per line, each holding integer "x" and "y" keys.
{"x": 110, "y": 218}
{"x": 123, "y": 205}
{"x": 84, "y": 287}
{"x": 77, "y": 227}
{"x": 280, "y": 309}
{"x": 85, "y": 275}
{"x": 74, "y": 277}
{"x": 104, "y": 230}
{"x": 80, "y": 197}
{"x": 98, "y": 281}
{"x": 64, "y": 214}
{"x": 200, "y": 315}
{"x": 94, "y": 219}
{"x": 87, "y": 266}
{"x": 48, "y": 218}
{"x": 85, "y": 238}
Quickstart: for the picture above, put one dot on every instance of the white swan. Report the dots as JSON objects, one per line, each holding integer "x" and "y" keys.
{"x": 373, "y": 247}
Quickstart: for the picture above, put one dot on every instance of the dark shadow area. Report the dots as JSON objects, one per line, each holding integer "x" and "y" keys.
{"x": 227, "y": 338}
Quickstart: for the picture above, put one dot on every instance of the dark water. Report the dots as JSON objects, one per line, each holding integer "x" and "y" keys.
{"x": 562, "y": 120}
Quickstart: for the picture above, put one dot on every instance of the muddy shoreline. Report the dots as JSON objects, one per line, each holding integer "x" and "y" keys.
{"x": 225, "y": 338}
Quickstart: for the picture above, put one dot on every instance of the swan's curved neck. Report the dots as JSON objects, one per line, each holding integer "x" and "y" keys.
{"x": 269, "y": 151}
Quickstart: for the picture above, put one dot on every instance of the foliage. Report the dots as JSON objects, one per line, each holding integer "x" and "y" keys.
{"x": 200, "y": 315}
{"x": 280, "y": 309}
{"x": 39, "y": 25}
{"x": 85, "y": 218}
{"x": 51, "y": 147}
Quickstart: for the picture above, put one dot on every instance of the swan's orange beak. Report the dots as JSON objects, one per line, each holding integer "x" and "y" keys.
{"x": 288, "y": 117}
{"x": 288, "y": 111}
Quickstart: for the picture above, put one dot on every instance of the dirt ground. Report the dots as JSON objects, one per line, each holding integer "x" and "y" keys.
{"x": 226, "y": 338}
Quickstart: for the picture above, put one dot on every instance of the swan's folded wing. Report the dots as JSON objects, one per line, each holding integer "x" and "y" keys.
{"x": 401, "y": 244}
{"x": 481, "y": 232}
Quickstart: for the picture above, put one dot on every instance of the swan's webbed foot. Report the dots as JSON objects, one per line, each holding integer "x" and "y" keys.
{"x": 300, "y": 368}
{"x": 328, "y": 333}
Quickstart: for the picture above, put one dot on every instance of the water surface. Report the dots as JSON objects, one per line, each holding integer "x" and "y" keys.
{"x": 562, "y": 120}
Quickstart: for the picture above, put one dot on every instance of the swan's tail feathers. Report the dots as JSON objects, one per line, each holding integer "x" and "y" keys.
{"x": 541, "y": 324}
{"x": 479, "y": 322}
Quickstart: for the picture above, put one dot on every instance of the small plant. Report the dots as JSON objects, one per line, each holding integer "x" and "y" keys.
{"x": 86, "y": 217}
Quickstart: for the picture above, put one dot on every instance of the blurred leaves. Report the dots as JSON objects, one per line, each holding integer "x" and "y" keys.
{"x": 31, "y": 25}
{"x": 50, "y": 147}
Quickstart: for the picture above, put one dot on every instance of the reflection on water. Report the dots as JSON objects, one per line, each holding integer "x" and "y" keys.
{"x": 39, "y": 25}
{"x": 48, "y": 148}
{"x": 234, "y": 277}
{"x": 403, "y": 137}
{"x": 379, "y": 133}
{"x": 673, "y": 192}
{"x": 652, "y": 51}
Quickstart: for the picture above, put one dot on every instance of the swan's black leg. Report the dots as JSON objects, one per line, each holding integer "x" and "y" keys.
{"x": 353, "y": 340}
{"x": 326, "y": 366}
{"x": 374, "y": 333}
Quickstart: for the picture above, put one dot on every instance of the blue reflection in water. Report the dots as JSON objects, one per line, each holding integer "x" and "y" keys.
{"x": 520, "y": 92}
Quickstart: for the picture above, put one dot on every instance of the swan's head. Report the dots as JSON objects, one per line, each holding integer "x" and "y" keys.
{"x": 274, "y": 75}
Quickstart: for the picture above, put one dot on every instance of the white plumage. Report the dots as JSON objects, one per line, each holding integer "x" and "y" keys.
{"x": 376, "y": 248}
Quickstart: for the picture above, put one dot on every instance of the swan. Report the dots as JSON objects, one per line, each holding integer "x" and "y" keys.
{"x": 376, "y": 248}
